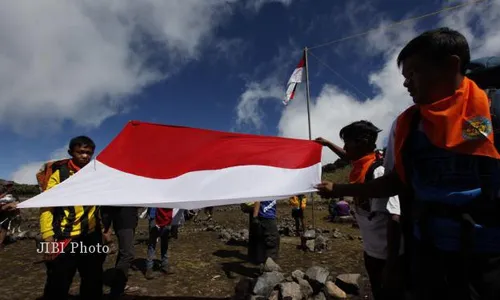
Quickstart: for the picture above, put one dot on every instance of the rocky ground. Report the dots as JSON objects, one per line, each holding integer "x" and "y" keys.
{"x": 208, "y": 261}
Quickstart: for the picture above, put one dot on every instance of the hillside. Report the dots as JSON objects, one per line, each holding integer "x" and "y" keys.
{"x": 22, "y": 190}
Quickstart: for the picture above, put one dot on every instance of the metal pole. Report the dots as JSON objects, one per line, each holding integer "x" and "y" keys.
{"x": 308, "y": 96}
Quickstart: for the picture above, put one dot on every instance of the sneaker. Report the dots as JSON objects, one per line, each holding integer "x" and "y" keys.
{"x": 149, "y": 274}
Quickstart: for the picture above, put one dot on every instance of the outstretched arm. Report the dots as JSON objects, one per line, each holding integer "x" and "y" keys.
{"x": 386, "y": 186}
{"x": 336, "y": 149}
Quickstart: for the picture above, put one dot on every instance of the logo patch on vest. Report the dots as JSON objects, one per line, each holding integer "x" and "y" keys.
{"x": 476, "y": 128}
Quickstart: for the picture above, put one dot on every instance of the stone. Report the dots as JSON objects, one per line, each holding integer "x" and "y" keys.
{"x": 320, "y": 243}
{"x": 319, "y": 296}
{"x": 245, "y": 234}
{"x": 266, "y": 283}
{"x": 334, "y": 291}
{"x": 310, "y": 244}
{"x": 271, "y": 266}
{"x": 337, "y": 234}
{"x": 305, "y": 287}
{"x": 243, "y": 288}
{"x": 275, "y": 295}
{"x": 298, "y": 274}
{"x": 290, "y": 291}
{"x": 316, "y": 276}
{"x": 310, "y": 234}
{"x": 349, "y": 283}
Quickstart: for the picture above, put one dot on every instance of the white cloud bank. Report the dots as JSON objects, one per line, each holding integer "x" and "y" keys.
{"x": 81, "y": 60}
{"x": 335, "y": 108}
{"x": 26, "y": 173}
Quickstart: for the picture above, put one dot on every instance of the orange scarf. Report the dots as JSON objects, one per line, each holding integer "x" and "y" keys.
{"x": 460, "y": 123}
{"x": 360, "y": 167}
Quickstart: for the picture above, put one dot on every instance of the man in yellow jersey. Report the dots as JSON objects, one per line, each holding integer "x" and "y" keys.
{"x": 298, "y": 204}
{"x": 76, "y": 227}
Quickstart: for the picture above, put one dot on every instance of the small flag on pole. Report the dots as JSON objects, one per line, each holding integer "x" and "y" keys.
{"x": 295, "y": 79}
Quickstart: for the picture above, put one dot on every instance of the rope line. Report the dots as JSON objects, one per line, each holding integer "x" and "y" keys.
{"x": 336, "y": 73}
{"x": 397, "y": 23}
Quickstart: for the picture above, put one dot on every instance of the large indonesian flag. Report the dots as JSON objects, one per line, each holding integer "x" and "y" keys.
{"x": 152, "y": 165}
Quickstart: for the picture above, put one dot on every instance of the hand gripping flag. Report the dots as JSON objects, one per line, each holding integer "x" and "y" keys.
{"x": 152, "y": 165}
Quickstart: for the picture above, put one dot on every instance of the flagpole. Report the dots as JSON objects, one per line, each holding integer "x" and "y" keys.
{"x": 308, "y": 98}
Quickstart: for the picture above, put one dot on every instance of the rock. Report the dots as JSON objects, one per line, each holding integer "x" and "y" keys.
{"x": 310, "y": 244}
{"x": 257, "y": 297}
{"x": 349, "y": 283}
{"x": 316, "y": 276}
{"x": 275, "y": 295}
{"x": 32, "y": 235}
{"x": 210, "y": 228}
{"x": 319, "y": 296}
{"x": 337, "y": 234}
{"x": 266, "y": 283}
{"x": 298, "y": 274}
{"x": 290, "y": 291}
{"x": 305, "y": 287}
{"x": 271, "y": 266}
{"x": 289, "y": 279}
{"x": 320, "y": 243}
{"x": 243, "y": 288}
{"x": 334, "y": 291}
{"x": 310, "y": 234}
{"x": 225, "y": 236}
{"x": 244, "y": 234}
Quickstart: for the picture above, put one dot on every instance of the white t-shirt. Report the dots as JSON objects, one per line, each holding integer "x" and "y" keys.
{"x": 374, "y": 231}
{"x": 393, "y": 203}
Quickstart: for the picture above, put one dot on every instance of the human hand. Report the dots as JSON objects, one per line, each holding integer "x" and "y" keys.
{"x": 322, "y": 141}
{"x": 9, "y": 206}
{"x": 325, "y": 188}
{"x": 49, "y": 256}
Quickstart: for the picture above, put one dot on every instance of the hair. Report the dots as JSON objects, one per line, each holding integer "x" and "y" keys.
{"x": 436, "y": 45}
{"x": 81, "y": 141}
{"x": 361, "y": 131}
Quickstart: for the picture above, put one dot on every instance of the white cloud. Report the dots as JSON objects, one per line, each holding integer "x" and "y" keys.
{"x": 257, "y": 4}
{"x": 82, "y": 60}
{"x": 335, "y": 108}
{"x": 26, "y": 173}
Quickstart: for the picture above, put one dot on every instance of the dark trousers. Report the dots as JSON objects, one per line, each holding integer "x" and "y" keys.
{"x": 267, "y": 239}
{"x": 375, "y": 269}
{"x": 154, "y": 233}
{"x": 62, "y": 269}
{"x": 124, "y": 259}
{"x": 446, "y": 275}
{"x": 252, "y": 241}
{"x": 298, "y": 216}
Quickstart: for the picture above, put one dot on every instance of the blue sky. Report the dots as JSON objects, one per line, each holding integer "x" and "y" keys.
{"x": 86, "y": 69}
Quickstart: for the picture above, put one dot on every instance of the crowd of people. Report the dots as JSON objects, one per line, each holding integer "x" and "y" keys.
{"x": 427, "y": 210}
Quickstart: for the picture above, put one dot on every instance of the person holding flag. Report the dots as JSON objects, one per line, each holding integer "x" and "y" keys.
{"x": 446, "y": 173}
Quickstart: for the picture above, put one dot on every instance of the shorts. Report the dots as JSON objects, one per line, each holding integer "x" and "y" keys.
{"x": 297, "y": 213}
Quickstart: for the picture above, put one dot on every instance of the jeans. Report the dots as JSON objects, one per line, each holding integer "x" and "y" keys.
{"x": 164, "y": 235}
{"x": 124, "y": 259}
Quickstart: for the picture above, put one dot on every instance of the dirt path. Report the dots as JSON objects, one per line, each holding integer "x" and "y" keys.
{"x": 202, "y": 266}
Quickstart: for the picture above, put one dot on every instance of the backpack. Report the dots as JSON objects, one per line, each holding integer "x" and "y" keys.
{"x": 48, "y": 168}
